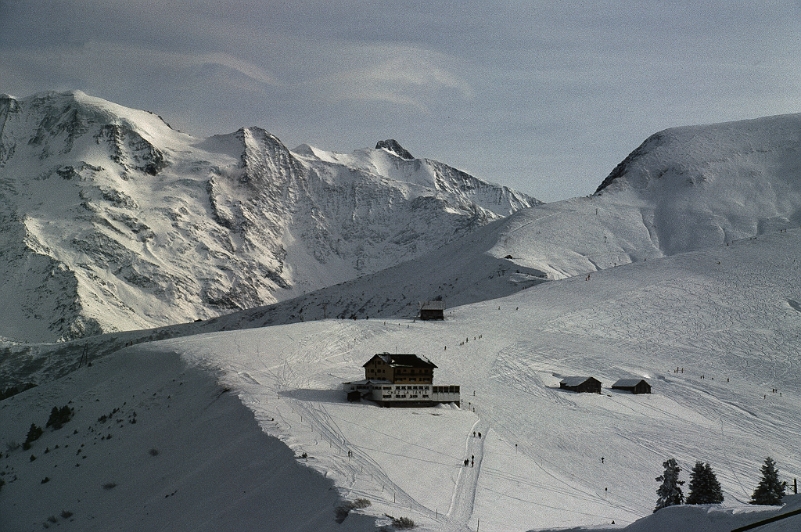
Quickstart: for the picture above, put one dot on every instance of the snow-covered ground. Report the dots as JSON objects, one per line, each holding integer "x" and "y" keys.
{"x": 684, "y": 271}
{"x": 729, "y": 317}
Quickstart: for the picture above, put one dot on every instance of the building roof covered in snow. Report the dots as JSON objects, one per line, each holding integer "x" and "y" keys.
{"x": 403, "y": 361}
{"x": 574, "y": 381}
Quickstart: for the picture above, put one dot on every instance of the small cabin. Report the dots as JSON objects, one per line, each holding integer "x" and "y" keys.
{"x": 432, "y": 310}
{"x": 581, "y": 384}
{"x": 632, "y": 385}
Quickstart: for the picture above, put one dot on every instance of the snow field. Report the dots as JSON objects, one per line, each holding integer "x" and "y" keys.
{"x": 160, "y": 446}
{"x": 722, "y": 315}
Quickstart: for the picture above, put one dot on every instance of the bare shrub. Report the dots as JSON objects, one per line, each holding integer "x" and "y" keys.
{"x": 341, "y": 512}
{"x": 403, "y": 523}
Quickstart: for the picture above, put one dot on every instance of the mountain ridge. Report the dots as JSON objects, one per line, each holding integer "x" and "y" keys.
{"x": 137, "y": 225}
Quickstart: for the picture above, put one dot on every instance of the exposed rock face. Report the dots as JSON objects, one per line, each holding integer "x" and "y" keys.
{"x": 115, "y": 221}
{"x": 393, "y": 146}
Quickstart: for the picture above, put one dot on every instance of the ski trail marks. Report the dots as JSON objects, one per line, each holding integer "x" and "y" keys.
{"x": 464, "y": 493}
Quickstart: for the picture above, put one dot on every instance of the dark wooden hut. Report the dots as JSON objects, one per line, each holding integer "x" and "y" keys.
{"x": 581, "y": 384}
{"x": 432, "y": 310}
{"x": 632, "y": 385}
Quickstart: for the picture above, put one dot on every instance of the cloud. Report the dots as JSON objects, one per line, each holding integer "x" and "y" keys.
{"x": 559, "y": 89}
{"x": 399, "y": 75}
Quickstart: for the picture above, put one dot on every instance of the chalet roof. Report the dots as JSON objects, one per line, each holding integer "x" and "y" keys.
{"x": 433, "y": 305}
{"x": 628, "y": 383}
{"x": 576, "y": 381}
{"x": 367, "y": 382}
{"x": 403, "y": 361}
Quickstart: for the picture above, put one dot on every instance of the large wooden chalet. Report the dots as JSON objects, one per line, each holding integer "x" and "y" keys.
{"x": 400, "y": 380}
{"x": 399, "y": 369}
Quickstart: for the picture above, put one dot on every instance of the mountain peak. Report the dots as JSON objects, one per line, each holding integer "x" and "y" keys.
{"x": 145, "y": 226}
{"x": 392, "y": 146}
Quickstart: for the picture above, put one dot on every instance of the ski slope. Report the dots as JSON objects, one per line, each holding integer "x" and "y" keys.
{"x": 727, "y": 317}
{"x": 729, "y": 314}
{"x": 710, "y": 318}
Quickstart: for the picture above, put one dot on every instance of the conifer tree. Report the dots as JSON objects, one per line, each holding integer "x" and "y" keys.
{"x": 704, "y": 486}
{"x": 670, "y": 490}
{"x": 769, "y": 491}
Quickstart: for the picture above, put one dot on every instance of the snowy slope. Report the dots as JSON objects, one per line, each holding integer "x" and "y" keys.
{"x": 683, "y": 189}
{"x": 724, "y": 314}
{"x": 154, "y": 445}
{"x": 722, "y": 304}
{"x": 729, "y": 314}
{"x": 114, "y": 221}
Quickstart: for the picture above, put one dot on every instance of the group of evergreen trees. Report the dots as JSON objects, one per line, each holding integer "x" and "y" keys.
{"x": 705, "y": 488}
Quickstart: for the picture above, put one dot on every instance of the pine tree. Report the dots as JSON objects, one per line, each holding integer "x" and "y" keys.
{"x": 704, "y": 486}
{"x": 34, "y": 433}
{"x": 670, "y": 490}
{"x": 769, "y": 491}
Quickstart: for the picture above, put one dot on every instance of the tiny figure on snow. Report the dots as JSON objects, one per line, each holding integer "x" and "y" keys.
{"x": 602, "y": 459}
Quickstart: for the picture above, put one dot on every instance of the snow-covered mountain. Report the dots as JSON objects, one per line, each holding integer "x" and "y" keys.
{"x": 683, "y": 189}
{"x": 723, "y": 307}
{"x": 113, "y": 221}
{"x": 728, "y": 316}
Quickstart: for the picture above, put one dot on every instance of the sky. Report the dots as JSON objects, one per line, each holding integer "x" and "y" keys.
{"x": 545, "y": 97}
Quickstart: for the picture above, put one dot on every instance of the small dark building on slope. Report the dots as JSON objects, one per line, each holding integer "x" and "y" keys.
{"x": 632, "y": 385}
{"x": 432, "y": 310}
{"x": 581, "y": 384}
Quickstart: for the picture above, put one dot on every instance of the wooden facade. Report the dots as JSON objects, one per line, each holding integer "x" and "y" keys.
{"x": 581, "y": 384}
{"x": 432, "y": 310}
{"x": 399, "y": 369}
{"x": 400, "y": 380}
{"x": 632, "y": 385}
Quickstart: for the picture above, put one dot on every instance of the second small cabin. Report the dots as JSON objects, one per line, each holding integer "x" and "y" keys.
{"x": 632, "y": 385}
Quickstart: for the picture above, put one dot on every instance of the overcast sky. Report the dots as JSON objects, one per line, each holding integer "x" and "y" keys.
{"x": 546, "y": 97}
